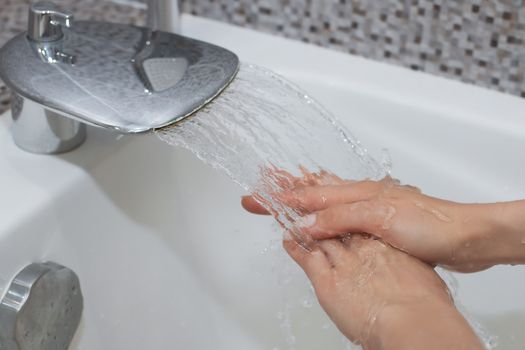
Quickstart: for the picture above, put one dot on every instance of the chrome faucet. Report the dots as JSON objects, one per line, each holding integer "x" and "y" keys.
{"x": 65, "y": 74}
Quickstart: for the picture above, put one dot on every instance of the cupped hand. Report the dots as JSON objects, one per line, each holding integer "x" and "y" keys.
{"x": 381, "y": 297}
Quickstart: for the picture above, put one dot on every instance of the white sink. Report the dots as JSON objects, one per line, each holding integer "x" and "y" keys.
{"x": 168, "y": 260}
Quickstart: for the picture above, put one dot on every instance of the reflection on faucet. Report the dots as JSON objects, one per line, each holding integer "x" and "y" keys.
{"x": 159, "y": 66}
{"x": 53, "y": 53}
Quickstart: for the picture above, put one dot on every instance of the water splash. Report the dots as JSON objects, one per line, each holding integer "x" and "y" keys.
{"x": 262, "y": 120}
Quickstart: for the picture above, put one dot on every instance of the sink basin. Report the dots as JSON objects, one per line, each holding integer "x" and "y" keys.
{"x": 166, "y": 257}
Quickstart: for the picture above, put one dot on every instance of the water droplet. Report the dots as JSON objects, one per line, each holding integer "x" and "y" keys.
{"x": 291, "y": 340}
{"x": 307, "y": 303}
{"x": 436, "y": 213}
{"x": 386, "y": 160}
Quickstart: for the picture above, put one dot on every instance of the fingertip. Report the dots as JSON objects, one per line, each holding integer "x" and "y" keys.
{"x": 251, "y": 205}
{"x": 246, "y": 200}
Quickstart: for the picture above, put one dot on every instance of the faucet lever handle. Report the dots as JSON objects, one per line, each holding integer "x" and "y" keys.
{"x": 46, "y": 20}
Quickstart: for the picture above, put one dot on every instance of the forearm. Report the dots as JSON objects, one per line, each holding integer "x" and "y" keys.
{"x": 426, "y": 326}
{"x": 495, "y": 233}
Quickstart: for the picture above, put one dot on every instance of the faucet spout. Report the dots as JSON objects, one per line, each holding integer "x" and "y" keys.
{"x": 119, "y": 77}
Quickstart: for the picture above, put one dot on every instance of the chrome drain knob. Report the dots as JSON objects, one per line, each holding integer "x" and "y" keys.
{"x": 41, "y": 309}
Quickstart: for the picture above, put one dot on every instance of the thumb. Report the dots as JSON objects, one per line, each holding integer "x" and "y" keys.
{"x": 250, "y": 204}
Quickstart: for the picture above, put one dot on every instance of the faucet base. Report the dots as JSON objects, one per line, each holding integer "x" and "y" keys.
{"x": 39, "y": 130}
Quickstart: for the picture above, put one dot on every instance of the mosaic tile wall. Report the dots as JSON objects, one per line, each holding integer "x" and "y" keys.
{"x": 477, "y": 41}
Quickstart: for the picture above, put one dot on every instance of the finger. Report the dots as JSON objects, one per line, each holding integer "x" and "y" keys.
{"x": 315, "y": 198}
{"x": 285, "y": 180}
{"x": 323, "y": 177}
{"x": 373, "y": 217}
{"x": 282, "y": 178}
{"x": 251, "y": 205}
{"x": 328, "y": 178}
{"x": 309, "y": 178}
{"x": 314, "y": 262}
{"x": 334, "y": 250}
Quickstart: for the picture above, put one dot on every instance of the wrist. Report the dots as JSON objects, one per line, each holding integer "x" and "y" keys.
{"x": 428, "y": 324}
{"x": 493, "y": 234}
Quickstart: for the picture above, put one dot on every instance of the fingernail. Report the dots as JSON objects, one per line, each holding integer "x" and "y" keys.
{"x": 306, "y": 221}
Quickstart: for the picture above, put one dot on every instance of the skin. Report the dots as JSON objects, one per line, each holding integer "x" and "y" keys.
{"x": 377, "y": 295}
{"x": 380, "y": 297}
{"x": 460, "y": 237}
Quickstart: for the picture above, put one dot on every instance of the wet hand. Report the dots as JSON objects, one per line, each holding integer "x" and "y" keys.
{"x": 458, "y": 236}
{"x": 381, "y": 297}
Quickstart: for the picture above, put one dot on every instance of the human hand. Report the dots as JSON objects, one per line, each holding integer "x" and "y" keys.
{"x": 377, "y": 295}
{"x": 380, "y": 297}
{"x": 461, "y": 237}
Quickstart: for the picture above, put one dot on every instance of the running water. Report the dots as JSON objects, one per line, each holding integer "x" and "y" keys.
{"x": 262, "y": 121}
{"x": 263, "y": 131}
